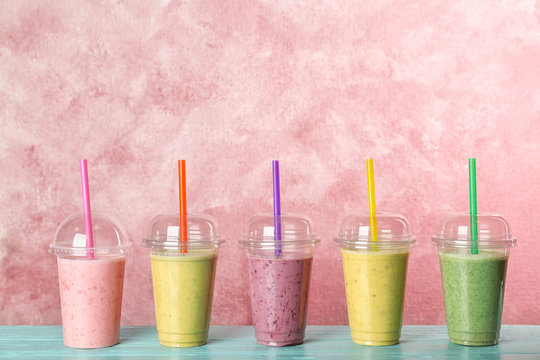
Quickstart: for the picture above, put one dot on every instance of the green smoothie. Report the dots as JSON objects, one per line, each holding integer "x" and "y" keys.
{"x": 473, "y": 288}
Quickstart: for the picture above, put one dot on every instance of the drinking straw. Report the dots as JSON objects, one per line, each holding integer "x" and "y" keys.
{"x": 87, "y": 212}
{"x": 277, "y": 208}
{"x": 183, "y": 206}
{"x": 473, "y": 206}
{"x": 371, "y": 195}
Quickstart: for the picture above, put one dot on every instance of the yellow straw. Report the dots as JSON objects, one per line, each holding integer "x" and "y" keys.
{"x": 371, "y": 195}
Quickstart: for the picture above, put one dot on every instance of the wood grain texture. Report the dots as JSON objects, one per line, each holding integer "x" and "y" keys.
{"x": 238, "y": 342}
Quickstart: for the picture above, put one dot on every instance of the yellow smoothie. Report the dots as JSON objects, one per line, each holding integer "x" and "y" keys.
{"x": 183, "y": 289}
{"x": 375, "y": 289}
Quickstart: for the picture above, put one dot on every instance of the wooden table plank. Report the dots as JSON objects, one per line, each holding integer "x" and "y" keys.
{"x": 518, "y": 342}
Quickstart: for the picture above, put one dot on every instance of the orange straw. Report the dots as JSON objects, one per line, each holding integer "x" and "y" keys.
{"x": 183, "y": 206}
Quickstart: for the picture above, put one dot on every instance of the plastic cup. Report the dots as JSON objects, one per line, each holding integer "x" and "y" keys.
{"x": 375, "y": 275}
{"x": 183, "y": 282}
{"x": 279, "y": 283}
{"x": 91, "y": 286}
{"x": 473, "y": 284}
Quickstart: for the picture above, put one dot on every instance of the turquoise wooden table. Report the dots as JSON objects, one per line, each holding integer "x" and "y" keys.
{"x": 238, "y": 342}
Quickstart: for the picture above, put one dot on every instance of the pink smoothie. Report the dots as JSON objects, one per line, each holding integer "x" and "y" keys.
{"x": 91, "y": 299}
{"x": 279, "y": 298}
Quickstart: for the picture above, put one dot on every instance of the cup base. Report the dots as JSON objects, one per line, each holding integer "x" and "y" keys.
{"x": 375, "y": 343}
{"x": 281, "y": 343}
{"x": 182, "y": 340}
{"x": 473, "y": 343}
{"x": 473, "y": 339}
{"x": 375, "y": 339}
{"x": 183, "y": 344}
{"x": 75, "y": 345}
{"x": 277, "y": 339}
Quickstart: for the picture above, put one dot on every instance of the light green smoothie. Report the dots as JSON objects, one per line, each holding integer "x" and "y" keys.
{"x": 183, "y": 288}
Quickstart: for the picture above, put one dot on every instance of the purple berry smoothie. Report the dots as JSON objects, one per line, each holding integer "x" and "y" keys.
{"x": 279, "y": 299}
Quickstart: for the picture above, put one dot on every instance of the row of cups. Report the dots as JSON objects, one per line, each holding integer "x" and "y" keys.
{"x": 91, "y": 280}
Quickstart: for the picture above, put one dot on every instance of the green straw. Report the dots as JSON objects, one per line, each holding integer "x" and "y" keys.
{"x": 472, "y": 205}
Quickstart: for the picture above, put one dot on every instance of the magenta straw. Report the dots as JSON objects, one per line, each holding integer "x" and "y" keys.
{"x": 86, "y": 206}
{"x": 277, "y": 208}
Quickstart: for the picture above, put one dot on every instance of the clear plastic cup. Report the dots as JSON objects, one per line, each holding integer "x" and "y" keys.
{"x": 91, "y": 280}
{"x": 279, "y": 280}
{"x": 473, "y": 284}
{"x": 375, "y": 276}
{"x": 183, "y": 282}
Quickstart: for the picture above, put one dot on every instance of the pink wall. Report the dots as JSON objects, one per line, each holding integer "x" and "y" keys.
{"x": 229, "y": 86}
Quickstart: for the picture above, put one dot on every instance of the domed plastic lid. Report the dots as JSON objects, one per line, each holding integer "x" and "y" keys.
{"x": 393, "y": 232}
{"x": 109, "y": 237}
{"x": 164, "y": 233}
{"x": 296, "y": 232}
{"x": 493, "y": 231}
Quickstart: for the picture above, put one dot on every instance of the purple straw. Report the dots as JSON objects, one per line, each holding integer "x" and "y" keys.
{"x": 277, "y": 208}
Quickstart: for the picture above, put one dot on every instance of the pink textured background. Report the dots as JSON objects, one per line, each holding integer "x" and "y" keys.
{"x": 230, "y": 85}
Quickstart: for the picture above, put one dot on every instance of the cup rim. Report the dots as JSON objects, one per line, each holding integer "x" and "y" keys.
{"x": 172, "y": 243}
{"x": 102, "y": 251}
{"x": 269, "y": 242}
{"x": 389, "y": 242}
{"x": 464, "y": 242}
